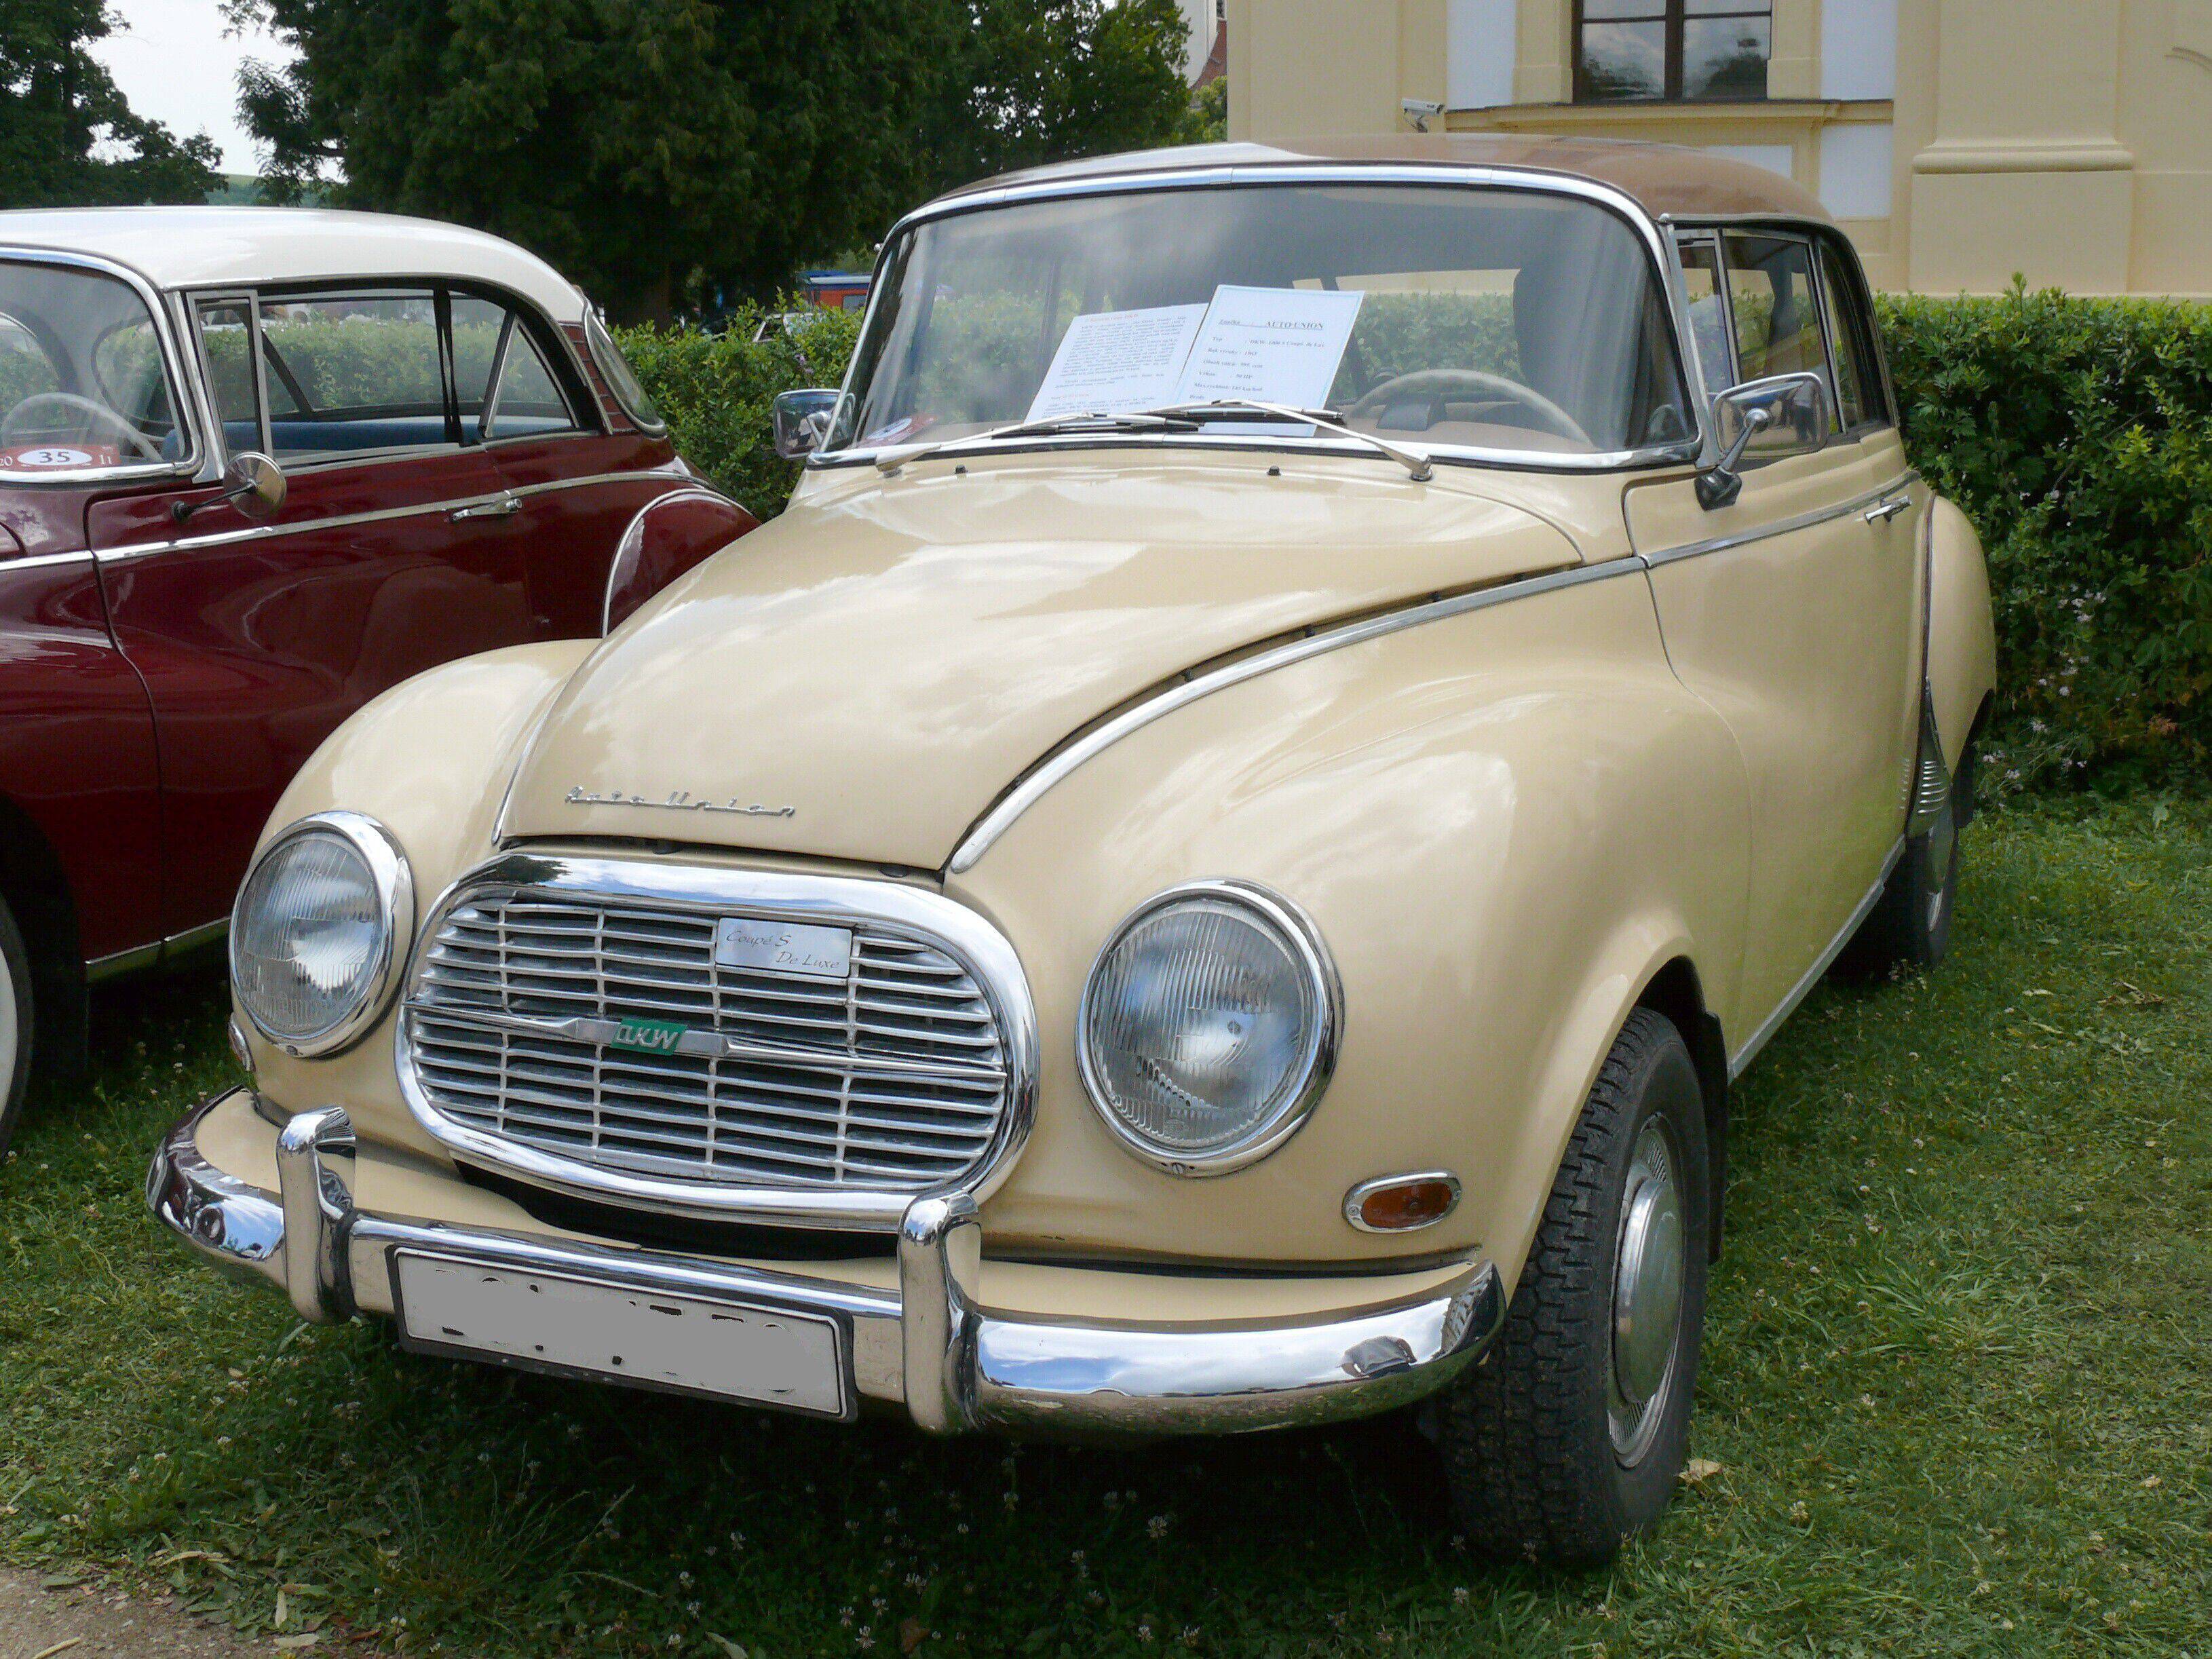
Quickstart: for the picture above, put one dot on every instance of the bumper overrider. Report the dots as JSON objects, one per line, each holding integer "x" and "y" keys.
{"x": 927, "y": 1344}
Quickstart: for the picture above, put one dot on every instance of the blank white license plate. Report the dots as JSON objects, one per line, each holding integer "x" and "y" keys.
{"x": 698, "y": 1345}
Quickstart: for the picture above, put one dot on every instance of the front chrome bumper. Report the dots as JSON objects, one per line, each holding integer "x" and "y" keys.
{"x": 927, "y": 1344}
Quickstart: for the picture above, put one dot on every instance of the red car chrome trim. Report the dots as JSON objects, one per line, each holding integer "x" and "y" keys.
{"x": 344, "y": 521}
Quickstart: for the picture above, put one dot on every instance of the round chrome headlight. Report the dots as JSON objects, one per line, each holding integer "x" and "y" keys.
{"x": 1209, "y": 1026}
{"x": 321, "y": 931}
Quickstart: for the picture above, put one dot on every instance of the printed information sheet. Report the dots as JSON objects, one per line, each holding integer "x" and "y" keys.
{"x": 1111, "y": 361}
{"x": 1271, "y": 345}
{"x": 1277, "y": 346}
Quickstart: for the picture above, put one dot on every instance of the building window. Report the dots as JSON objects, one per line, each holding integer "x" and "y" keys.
{"x": 1673, "y": 50}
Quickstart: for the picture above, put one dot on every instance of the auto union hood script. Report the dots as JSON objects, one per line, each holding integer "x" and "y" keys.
{"x": 863, "y": 677}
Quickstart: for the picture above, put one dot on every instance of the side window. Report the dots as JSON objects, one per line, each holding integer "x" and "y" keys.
{"x": 25, "y": 370}
{"x": 227, "y": 345}
{"x": 1776, "y": 311}
{"x": 529, "y": 400}
{"x": 1709, "y": 324}
{"x": 1858, "y": 383}
{"x": 350, "y": 374}
{"x": 507, "y": 390}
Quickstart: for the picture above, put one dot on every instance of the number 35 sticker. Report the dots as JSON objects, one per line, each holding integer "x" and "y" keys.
{"x": 52, "y": 457}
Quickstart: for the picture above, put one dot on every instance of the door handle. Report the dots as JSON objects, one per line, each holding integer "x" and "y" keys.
{"x": 1883, "y": 511}
{"x": 499, "y": 509}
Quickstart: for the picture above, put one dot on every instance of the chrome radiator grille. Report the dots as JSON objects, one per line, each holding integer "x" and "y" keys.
{"x": 526, "y": 1005}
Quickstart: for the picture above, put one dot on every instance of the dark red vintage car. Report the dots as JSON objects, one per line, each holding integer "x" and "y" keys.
{"x": 256, "y": 466}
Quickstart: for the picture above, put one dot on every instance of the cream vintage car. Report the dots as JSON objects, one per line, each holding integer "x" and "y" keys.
{"x": 1311, "y": 711}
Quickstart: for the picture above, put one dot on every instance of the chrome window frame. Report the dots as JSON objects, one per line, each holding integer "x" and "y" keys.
{"x": 195, "y": 303}
{"x": 310, "y": 289}
{"x": 1698, "y": 446}
{"x": 189, "y": 299}
{"x": 1823, "y": 238}
{"x": 1857, "y": 300}
{"x": 537, "y": 329}
{"x": 715, "y": 891}
{"x": 183, "y": 400}
{"x": 595, "y": 332}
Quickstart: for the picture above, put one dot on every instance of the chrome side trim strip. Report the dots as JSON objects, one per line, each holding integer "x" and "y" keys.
{"x": 260, "y": 532}
{"x": 42, "y": 560}
{"x": 1781, "y": 526}
{"x": 1026, "y": 793}
{"x": 122, "y": 961}
{"x": 145, "y": 956}
{"x": 1803, "y": 989}
{"x": 193, "y": 937}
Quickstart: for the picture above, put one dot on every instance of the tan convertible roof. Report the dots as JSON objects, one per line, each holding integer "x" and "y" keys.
{"x": 1688, "y": 184}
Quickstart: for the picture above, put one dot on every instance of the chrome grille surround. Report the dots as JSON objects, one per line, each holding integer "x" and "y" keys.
{"x": 795, "y": 1101}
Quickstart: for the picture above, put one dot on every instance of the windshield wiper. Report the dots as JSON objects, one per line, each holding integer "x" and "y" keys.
{"x": 1055, "y": 426}
{"x": 1177, "y": 417}
{"x": 1413, "y": 461}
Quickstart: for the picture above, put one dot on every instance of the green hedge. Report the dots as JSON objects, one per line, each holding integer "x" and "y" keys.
{"x": 2077, "y": 434}
{"x": 715, "y": 391}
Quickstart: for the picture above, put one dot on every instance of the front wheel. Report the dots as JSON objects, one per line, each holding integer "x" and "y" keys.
{"x": 1567, "y": 1441}
{"x": 16, "y": 1025}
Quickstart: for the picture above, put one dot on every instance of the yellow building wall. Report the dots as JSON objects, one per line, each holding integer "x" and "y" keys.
{"x": 2068, "y": 142}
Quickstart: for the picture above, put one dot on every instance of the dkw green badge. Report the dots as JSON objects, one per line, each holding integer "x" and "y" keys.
{"x": 647, "y": 1036}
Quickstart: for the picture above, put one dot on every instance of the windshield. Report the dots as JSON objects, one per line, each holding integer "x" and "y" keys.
{"x": 82, "y": 380}
{"x": 1478, "y": 319}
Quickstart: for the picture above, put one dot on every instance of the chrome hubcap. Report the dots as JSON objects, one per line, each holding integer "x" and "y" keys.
{"x": 9, "y": 1037}
{"x": 1649, "y": 1265}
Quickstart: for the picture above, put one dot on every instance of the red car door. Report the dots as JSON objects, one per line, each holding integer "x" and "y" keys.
{"x": 395, "y": 550}
{"x": 576, "y": 467}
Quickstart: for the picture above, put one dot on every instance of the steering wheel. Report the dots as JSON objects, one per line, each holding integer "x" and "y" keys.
{"x": 1471, "y": 382}
{"x": 15, "y": 421}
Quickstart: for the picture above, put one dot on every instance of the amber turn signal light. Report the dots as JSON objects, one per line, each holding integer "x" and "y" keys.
{"x": 1399, "y": 1203}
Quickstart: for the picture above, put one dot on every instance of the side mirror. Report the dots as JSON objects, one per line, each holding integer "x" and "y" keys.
{"x": 1786, "y": 415}
{"x": 252, "y": 483}
{"x": 802, "y": 421}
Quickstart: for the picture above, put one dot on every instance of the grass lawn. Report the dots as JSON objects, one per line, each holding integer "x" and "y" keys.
{"x": 1956, "y": 1386}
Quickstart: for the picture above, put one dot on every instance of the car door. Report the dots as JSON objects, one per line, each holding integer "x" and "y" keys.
{"x": 390, "y": 553}
{"x": 576, "y": 469}
{"x": 1794, "y": 611}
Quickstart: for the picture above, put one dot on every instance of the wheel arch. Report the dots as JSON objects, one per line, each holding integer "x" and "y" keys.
{"x": 666, "y": 537}
{"x": 35, "y": 886}
{"x": 1961, "y": 654}
{"x": 1677, "y": 991}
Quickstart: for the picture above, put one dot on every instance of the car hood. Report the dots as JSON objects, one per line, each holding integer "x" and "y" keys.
{"x": 863, "y": 677}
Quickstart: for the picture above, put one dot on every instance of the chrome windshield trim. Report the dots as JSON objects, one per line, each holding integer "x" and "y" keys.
{"x": 1040, "y": 779}
{"x": 1140, "y": 181}
{"x": 261, "y": 532}
{"x": 183, "y": 391}
{"x": 841, "y": 901}
{"x": 1781, "y": 526}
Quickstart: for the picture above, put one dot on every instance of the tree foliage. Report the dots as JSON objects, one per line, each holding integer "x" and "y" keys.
{"x": 637, "y": 143}
{"x": 67, "y": 137}
{"x": 1041, "y": 81}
